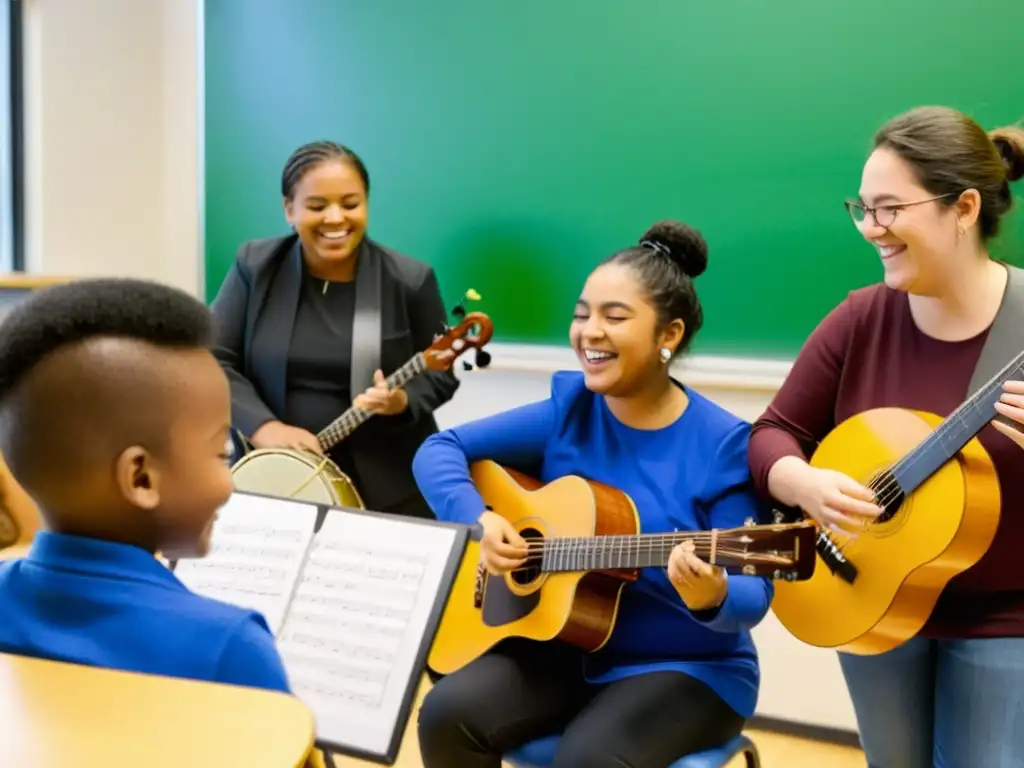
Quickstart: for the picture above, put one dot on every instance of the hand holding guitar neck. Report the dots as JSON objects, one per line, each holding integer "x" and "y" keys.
{"x": 701, "y": 586}
{"x": 1011, "y": 406}
{"x": 381, "y": 399}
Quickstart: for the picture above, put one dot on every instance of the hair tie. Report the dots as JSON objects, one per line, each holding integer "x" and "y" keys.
{"x": 656, "y": 246}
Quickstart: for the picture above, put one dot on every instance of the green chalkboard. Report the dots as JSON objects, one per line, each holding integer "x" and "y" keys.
{"x": 514, "y": 145}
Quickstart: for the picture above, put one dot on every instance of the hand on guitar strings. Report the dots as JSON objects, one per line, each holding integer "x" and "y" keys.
{"x": 502, "y": 549}
{"x": 380, "y": 399}
{"x": 1011, "y": 405}
{"x": 700, "y": 585}
{"x": 277, "y": 434}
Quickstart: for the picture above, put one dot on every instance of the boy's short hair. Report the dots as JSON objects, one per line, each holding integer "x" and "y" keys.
{"x": 50, "y": 333}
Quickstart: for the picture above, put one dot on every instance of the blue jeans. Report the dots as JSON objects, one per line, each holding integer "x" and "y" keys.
{"x": 941, "y": 703}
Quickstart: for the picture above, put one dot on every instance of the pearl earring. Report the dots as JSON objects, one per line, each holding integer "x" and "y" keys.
{"x": 666, "y": 354}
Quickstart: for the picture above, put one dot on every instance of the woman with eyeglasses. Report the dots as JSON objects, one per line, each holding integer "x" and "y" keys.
{"x": 932, "y": 194}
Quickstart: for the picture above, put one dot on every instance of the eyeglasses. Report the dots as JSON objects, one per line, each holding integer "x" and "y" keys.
{"x": 885, "y": 215}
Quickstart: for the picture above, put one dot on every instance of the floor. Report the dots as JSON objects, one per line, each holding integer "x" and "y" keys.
{"x": 777, "y": 751}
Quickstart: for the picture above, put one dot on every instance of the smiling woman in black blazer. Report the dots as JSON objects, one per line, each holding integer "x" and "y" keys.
{"x": 309, "y": 320}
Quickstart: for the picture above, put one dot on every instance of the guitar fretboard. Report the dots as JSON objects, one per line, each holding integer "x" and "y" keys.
{"x": 954, "y": 432}
{"x": 598, "y": 553}
{"x": 345, "y": 424}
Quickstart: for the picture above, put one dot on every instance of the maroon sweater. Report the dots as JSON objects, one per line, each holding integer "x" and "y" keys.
{"x": 868, "y": 353}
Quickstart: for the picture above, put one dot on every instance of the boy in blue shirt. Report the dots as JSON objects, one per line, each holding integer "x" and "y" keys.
{"x": 114, "y": 418}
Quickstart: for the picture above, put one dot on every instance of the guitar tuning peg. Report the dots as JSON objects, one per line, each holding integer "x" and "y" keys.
{"x": 467, "y": 366}
{"x": 459, "y": 311}
{"x": 483, "y": 359}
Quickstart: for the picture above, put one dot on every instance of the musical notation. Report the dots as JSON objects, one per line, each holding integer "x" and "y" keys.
{"x": 351, "y": 612}
{"x": 256, "y": 551}
{"x": 349, "y": 605}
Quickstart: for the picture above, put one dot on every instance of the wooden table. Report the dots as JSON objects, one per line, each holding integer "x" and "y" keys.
{"x": 54, "y": 714}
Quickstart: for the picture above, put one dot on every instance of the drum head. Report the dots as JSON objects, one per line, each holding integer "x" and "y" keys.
{"x": 287, "y": 474}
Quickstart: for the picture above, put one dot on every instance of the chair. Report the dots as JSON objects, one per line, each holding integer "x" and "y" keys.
{"x": 540, "y": 754}
{"x": 19, "y": 517}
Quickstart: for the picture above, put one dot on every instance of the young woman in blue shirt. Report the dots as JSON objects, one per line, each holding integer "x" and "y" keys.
{"x": 679, "y": 673}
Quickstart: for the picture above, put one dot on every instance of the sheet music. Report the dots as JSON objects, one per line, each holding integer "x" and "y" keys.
{"x": 357, "y": 619}
{"x": 256, "y": 553}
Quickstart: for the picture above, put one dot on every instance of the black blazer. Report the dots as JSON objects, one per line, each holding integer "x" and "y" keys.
{"x": 398, "y": 310}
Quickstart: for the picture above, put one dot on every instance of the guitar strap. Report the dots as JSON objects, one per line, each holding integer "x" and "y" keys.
{"x": 1006, "y": 336}
{"x": 366, "y": 321}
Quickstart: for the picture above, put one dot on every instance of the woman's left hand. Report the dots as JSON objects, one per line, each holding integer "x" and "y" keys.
{"x": 701, "y": 586}
{"x": 380, "y": 399}
{"x": 1011, "y": 405}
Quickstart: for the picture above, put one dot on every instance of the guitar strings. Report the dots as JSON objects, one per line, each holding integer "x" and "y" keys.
{"x": 703, "y": 553}
{"x": 891, "y": 490}
{"x": 885, "y": 494}
{"x": 639, "y": 541}
{"x": 354, "y": 417}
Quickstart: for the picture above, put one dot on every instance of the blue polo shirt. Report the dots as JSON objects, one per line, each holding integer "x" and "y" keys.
{"x": 111, "y": 605}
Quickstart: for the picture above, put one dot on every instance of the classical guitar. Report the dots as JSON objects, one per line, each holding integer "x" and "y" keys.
{"x": 941, "y": 506}
{"x": 288, "y": 473}
{"x": 585, "y": 546}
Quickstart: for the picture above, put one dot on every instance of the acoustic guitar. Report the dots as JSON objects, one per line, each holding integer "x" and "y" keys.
{"x": 585, "y": 545}
{"x": 940, "y": 498}
{"x": 307, "y": 476}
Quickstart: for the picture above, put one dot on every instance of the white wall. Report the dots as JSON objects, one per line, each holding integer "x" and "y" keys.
{"x": 112, "y": 141}
{"x": 113, "y": 101}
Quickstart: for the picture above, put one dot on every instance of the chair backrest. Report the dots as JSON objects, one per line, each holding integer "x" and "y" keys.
{"x": 19, "y": 517}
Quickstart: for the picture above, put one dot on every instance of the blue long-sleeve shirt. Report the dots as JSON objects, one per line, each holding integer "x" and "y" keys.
{"x": 691, "y": 475}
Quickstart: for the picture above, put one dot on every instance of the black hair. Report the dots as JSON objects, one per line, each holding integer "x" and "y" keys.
{"x": 950, "y": 153}
{"x": 666, "y": 260}
{"x": 308, "y": 156}
{"x": 87, "y": 407}
{"x": 74, "y": 312}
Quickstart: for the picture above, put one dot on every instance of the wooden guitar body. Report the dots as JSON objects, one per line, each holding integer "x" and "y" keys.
{"x": 579, "y": 608}
{"x": 906, "y": 558}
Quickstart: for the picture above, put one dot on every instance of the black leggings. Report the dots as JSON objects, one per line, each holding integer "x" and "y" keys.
{"x": 522, "y": 690}
{"x": 412, "y": 506}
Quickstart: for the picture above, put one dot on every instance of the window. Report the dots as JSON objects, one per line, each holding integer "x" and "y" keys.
{"x": 12, "y": 229}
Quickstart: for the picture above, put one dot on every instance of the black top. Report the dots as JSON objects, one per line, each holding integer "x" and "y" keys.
{"x": 319, "y": 360}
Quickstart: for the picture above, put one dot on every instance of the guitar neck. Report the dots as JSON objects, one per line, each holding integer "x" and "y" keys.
{"x": 954, "y": 432}
{"x": 610, "y": 553}
{"x": 346, "y": 424}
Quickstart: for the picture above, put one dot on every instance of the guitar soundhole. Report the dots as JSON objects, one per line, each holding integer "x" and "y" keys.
{"x": 530, "y": 571}
{"x": 888, "y": 495}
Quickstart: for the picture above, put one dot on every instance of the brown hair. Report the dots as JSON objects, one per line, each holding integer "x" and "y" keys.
{"x": 951, "y": 153}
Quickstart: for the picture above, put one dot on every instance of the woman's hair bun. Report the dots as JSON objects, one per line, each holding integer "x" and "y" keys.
{"x": 681, "y": 243}
{"x": 1010, "y": 143}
